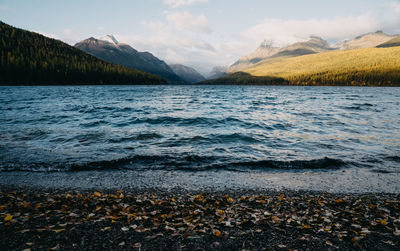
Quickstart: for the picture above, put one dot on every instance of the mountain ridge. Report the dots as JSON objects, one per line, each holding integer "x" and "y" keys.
{"x": 109, "y": 49}
{"x": 312, "y": 46}
{"x": 187, "y": 73}
{"x": 360, "y": 67}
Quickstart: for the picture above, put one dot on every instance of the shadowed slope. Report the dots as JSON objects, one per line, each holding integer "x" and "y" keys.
{"x": 30, "y": 58}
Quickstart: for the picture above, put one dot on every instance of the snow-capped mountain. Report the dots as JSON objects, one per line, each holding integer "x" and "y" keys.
{"x": 109, "y": 49}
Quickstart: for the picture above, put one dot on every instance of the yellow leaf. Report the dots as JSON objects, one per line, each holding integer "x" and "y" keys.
{"x": 59, "y": 230}
{"x": 217, "y": 233}
{"x": 230, "y": 200}
{"x": 384, "y": 222}
{"x": 106, "y": 228}
{"x": 306, "y": 226}
{"x": 220, "y": 212}
{"x": 97, "y": 194}
{"x": 8, "y": 217}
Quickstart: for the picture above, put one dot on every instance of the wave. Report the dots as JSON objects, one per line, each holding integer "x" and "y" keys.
{"x": 183, "y": 163}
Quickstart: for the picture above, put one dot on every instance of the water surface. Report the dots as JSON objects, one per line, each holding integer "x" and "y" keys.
{"x": 204, "y": 129}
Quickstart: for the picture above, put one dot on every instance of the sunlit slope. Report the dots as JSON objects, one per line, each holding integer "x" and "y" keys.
{"x": 371, "y": 66}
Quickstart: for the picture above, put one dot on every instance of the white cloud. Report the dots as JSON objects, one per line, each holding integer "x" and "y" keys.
{"x": 100, "y": 28}
{"x": 179, "y": 3}
{"x": 392, "y": 22}
{"x": 67, "y": 32}
{"x": 71, "y": 37}
{"x": 182, "y": 37}
{"x": 186, "y": 21}
{"x": 174, "y": 57}
{"x": 288, "y": 31}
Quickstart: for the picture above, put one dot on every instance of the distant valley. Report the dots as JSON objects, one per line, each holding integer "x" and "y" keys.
{"x": 188, "y": 74}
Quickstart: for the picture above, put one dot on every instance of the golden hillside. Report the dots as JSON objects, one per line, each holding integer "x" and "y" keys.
{"x": 371, "y": 66}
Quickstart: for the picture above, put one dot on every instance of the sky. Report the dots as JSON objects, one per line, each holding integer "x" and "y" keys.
{"x": 202, "y": 33}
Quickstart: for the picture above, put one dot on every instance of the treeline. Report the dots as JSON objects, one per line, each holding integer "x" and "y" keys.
{"x": 242, "y": 78}
{"x": 29, "y": 58}
{"x": 351, "y": 78}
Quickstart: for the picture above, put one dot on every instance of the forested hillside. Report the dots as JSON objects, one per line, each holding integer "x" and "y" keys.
{"x": 370, "y": 67}
{"x": 29, "y": 58}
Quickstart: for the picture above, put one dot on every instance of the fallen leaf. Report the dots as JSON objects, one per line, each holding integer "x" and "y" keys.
{"x": 8, "y": 217}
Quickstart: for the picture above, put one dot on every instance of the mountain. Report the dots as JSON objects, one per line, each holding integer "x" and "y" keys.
{"x": 216, "y": 72}
{"x": 266, "y": 50}
{"x": 368, "y": 66}
{"x": 391, "y": 43}
{"x": 187, "y": 73}
{"x": 109, "y": 49}
{"x": 29, "y": 58}
{"x": 368, "y": 40}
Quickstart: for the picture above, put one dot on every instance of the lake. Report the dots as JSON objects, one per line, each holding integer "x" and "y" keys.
{"x": 329, "y": 138}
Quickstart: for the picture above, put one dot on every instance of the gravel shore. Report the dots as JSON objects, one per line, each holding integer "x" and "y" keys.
{"x": 35, "y": 219}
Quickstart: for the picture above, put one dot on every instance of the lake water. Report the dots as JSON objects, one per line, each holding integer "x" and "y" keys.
{"x": 266, "y": 135}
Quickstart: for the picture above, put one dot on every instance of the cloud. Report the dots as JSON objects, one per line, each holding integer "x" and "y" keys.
{"x": 288, "y": 31}
{"x": 392, "y": 21}
{"x": 179, "y": 3}
{"x": 186, "y": 21}
{"x": 172, "y": 56}
{"x": 182, "y": 37}
{"x": 71, "y": 37}
{"x": 100, "y": 28}
{"x": 67, "y": 32}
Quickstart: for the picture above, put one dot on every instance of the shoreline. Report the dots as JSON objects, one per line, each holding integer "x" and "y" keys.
{"x": 354, "y": 180}
{"x": 57, "y": 219}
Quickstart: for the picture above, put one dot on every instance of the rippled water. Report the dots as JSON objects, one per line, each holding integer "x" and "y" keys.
{"x": 199, "y": 128}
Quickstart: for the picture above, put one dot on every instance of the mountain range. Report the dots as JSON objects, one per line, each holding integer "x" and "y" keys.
{"x": 30, "y": 58}
{"x": 371, "y": 59}
{"x": 109, "y": 49}
{"x": 314, "y": 45}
